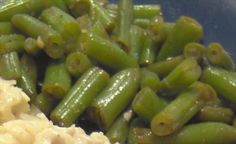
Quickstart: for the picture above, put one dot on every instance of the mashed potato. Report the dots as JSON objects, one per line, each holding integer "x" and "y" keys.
{"x": 19, "y": 126}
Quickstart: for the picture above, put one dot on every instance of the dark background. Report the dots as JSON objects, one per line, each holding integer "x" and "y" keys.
{"x": 218, "y": 18}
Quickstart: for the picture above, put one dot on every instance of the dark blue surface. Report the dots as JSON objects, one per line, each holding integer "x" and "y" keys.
{"x": 218, "y": 18}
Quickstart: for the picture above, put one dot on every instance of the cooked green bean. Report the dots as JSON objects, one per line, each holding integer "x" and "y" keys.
{"x": 11, "y": 42}
{"x": 77, "y": 63}
{"x": 186, "y": 73}
{"x": 114, "y": 98}
{"x": 27, "y": 82}
{"x": 57, "y": 81}
{"x": 163, "y": 68}
{"x": 106, "y": 52}
{"x": 99, "y": 13}
{"x": 78, "y": 7}
{"x": 195, "y": 50}
{"x": 64, "y": 24}
{"x": 119, "y": 130}
{"x": 182, "y": 109}
{"x": 223, "y": 81}
{"x": 80, "y": 96}
{"x": 136, "y": 41}
{"x": 39, "y": 30}
{"x": 217, "y": 56}
{"x": 6, "y": 28}
{"x": 32, "y": 46}
{"x": 143, "y": 23}
{"x": 99, "y": 30}
{"x": 149, "y": 79}
{"x": 10, "y": 66}
{"x": 184, "y": 31}
{"x": 216, "y": 114}
{"x": 135, "y": 123}
{"x": 201, "y": 133}
{"x": 124, "y": 21}
{"x": 84, "y": 21}
{"x": 45, "y": 103}
{"x": 147, "y": 104}
{"x": 148, "y": 51}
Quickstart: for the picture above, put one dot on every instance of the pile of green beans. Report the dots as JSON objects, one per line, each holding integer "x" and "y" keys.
{"x": 138, "y": 78}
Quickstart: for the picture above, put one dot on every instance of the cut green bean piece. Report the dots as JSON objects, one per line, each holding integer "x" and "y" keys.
{"x": 10, "y": 8}
{"x": 163, "y": 68}
{"x": 147, "y": 104}
{"x": 217, "y": 56}
{"x": 62, "y": 22}
{"x": 186, "y": 73}
{"x": 99, "y": 30}
{"x": 149, "y": 79}
{"x": 78, "y": 7}
{"x": 216, "y": 114}
{"x": 6, "y": 28}
{"x": 80, "y": 96}
{"x": 99, "y": 13}
{"x": 185, "y": 30}
{"x": 201, "y": 133}
{"x": 124, "y": 21}
{"x": 114, "y": 98}
{"x": 85, "y": 22}
{"x": 50, "y": 39}
{"x": 143, "y": 23}
{"x": 182, "y": 109}
{"x": 119, "y": 130}
{"x": 148, "y": 51}
{"x": 135, "y": 123}
{"x": 11, "y": 42}
{"x": 147, "y": 11}
{"x": 32, "y": 46}
{"x": 195, "y": 50}
{"x": 77, "y": 63}
{"x": 136, "y": 41}
{"x": 106, "y": 52}
{"x": 57, "y": 81}
{"x": 45, "y": 103}
{"x": 223, "y": 81}
{"x": 27, "y": 81}
{"x": 10, "y": 66}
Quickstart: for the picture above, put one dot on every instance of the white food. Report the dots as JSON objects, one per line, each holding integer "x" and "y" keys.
{"x": 19, "y": 126}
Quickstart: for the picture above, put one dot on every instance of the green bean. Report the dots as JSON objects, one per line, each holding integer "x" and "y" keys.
{"x": 10, "y": 8}
{"x": 148, "y": 51}
{"x": 10, "y": 66}
{"x": 114, "y": 98}
{"x": 201, "y": 133}
{"x": 186, "y": 73}
{"x": 234, "y": 122}
{"x": 45, "y": 103}
{"x": 147, "y": 104}
{"x": 118, "y": 132}
{"x": 99, "y": 13}
{"x": 77, "y": 63}
{"x": 124, "y": 21}
{"x": 182, "y": 109}
{"x": 223, "y": 81}
{"x": 136, "y": 41}
{"x": 11, "y": 42}
{"x": 64, "y": 24}
{"x": 185, "y": 30}
{"x": 78, "y": 7}
{"x": 32, "y": 46}
{"x": 216, "y": 114}
{"x": 149, "y": 79}
{"x": 99, "y": 30}
{"x": 195, "y": 50}
{"x": 135, "y": 123}
{"x": 57, "y": 81}
{"x": 217, "y": 56}
{"x": 163, "y": 68}
{"x": 6, "y": 28}
{"x": 80, "y": 96}
{"x": 106, "y": 52}
{"x": 27, "y": 82}
{"x": 143, "y": 23}
{"x": 84, "y": 21}
{"x": 37, "y": 29}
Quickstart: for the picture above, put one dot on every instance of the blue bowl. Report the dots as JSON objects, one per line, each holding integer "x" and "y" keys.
{"x": 218, "y": 18}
